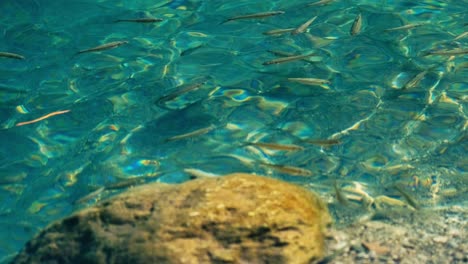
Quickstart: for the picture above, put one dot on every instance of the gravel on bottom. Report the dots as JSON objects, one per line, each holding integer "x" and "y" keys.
{"x": 424, "y": 236}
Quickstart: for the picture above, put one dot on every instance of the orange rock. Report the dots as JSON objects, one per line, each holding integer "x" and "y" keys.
{"x": 231, "y": 219}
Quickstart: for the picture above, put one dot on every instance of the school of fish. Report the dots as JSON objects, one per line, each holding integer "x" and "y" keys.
{"x": 292, "y": 58}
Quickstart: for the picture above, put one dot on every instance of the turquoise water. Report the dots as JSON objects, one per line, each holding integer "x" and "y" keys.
{"x": 191, "y": 92}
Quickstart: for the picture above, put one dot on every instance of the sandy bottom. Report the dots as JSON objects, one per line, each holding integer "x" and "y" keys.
{"x": 423, "y": 236}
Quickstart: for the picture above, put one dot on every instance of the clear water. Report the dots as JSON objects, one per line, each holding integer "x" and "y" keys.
{"x": 124, "y": 112}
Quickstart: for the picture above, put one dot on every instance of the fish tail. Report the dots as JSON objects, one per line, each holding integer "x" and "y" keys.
{"x": 225, "y": 21}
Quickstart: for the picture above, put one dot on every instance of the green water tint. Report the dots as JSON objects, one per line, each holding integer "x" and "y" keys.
{"x": 394, "y": 101}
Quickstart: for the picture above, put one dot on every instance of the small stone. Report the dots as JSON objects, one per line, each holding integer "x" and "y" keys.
{"x": 422, "y": 258}
{"x": 378, "y": 249}
{"x": 362, "y": 255}
{"x": 440, "y": 239}
{"x": 357, "y": 248}
{"x": 458, "y": 256}
{"x": 407, "y": 243}
{"x": 452, "y": 244}
{"x": 453, "y": 232}
{"x": 194, "y": 213}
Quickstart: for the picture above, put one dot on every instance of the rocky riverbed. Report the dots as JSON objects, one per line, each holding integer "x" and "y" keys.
{"x": 243, "y": 218}
{"x": 425, "y": 236}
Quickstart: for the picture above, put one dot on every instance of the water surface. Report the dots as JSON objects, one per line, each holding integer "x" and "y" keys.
{"x": 192, "y": 92}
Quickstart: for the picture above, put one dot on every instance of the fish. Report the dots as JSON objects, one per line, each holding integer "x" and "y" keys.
{"x": 11, "y": 55}
{"x": 415, "y": 80}
{"x": 179, "y": 91}
{"x": 291, "y": 170}
{"x": 278, "y": 31}
{"x": 191, "y": 50}
{"x": 408, "y": 26}
{"x": 288, "y": 59}
{"x": 340, "y": 197}
{"x": 461, "y": 66}
{"x": 254, "y": 16}
{"x": 12, "y": 90}
{"x": 311, "y": 59}
{"x": 462, "y": 35}
{"x": 458, "y": 51}
{"x": 321, "y": 2}
{"x": 302, "y": 28}
{"x": 357, "y": 24}
{"x": 42, "y": 117}
{"x": 276, "y": 146}
{"x": 90, "y": 196}
{"x": 199, "y": 174}
{"x": 410, "y": 200}
{"x": 125, "y": 183}
{"x": 318, "y": 42}
{"x": 140, "y": 20}
{"x": 310, "y": 81}
{"x": 323, "y": 142}
{"x": 194, "y": 133}
{"x": 106, "y": 46}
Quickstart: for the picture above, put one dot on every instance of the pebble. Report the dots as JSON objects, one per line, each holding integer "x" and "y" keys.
{"x": 452, "y": 244}
{"x": 375, "y": 248}
{"x": 440, "y": 239}
{"x": 407, "y": 243}
{"x": 459, "y": 256}
{"x": 362, "y": 255}
{"x": 357, "y": 248}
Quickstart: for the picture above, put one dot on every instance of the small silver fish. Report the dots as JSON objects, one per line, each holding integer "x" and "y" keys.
{"x": 458, "y": 51}
{"x": 462, "y": 35}
{"x": 10, "y": 90}
{"x": 302, "y": 28}
{"x": 125, "y": 183}
{"x": 461, "y": 66}
{"x": 321, "y": 2}
{"x": 106, "y": 46}
{"x": 340, "y": 197}
{"x": 140, "y": 20}
{"x": 11, "y": 55}
{"x": 318, "y": 42}
{"x": 408, "y": 26}
{"x": 256, "y": 15}
{"x": 279, "y": 31}
{"x": 199, "y": 174}
{"x": 291, "y": 170}
{"x": 357, "y": 24}
{"x": 415, "y": 80}
{"x": 323, "y": 142}
{"x": 90, "y": 196}
{"x": 309, "y": 81}
{"x": 179, "y": 91}
{"x": 276, "y": 146}
{"x": 288, "y": 59}
{"x": 191, "y": 50}
{"x": 194, "y": 133}
{"x": 312, "y": 59}
{"x": 411, "y": 201}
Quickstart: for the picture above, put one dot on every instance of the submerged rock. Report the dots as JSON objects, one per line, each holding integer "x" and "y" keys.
{"x": 238, "y": 218}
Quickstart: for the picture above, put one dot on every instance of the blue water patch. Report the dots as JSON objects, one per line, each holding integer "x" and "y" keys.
{"x": 99, "y": 94}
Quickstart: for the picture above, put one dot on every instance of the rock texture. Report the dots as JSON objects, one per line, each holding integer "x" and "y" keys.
{"x": 238, "y": 218}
